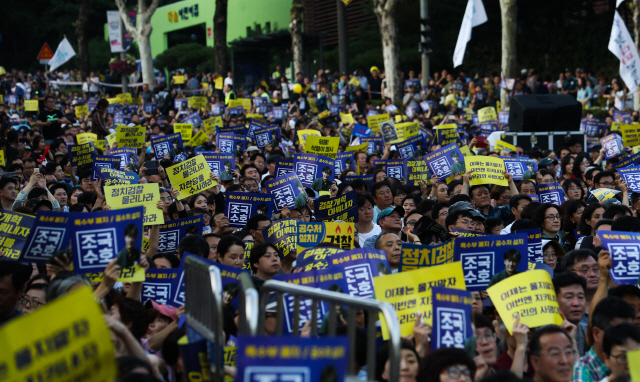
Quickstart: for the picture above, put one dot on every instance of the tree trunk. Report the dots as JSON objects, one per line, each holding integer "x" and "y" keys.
{"x": 141, "y": 33}
{"x": 295, "y": 28}
{"x": 385, "y": 12}
{"x": 81, "y": 36}
{"x": 220, "y": 36}
{"x": 636, "y": 22}
{"x": 509, "y": 14}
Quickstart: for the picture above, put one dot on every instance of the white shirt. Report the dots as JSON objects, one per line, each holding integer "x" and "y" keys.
{"x": 619, "y": 100}
{"x": 506, "y": 230}
{"x": 94, "y": 84}
{"x": 362, "y": 237}
{"x": 228, "y": 81}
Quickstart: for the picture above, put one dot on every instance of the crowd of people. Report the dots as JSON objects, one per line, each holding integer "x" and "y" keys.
{"x": 601, "y": 320}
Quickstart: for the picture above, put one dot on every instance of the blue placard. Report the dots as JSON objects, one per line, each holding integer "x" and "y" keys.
{"x": 103, "y": 161}
{"x": 239, "y": 207}
{"x": 314, "y": 171}
{"x": 161, "y": 284}
{"x": 287, "y": 191}
{"x": 360, "y": 266}
{"x": 112, "y": 108}
{"x": 520, "y": 168}
{"x": 593, "y": 127}
{"x": 128, "y": 157}
{"x": 503, "y": 117}
{"x": 231, "y": 143}
{"x": 446, "y": 161}
{"x": 193, "y": 118}
{"x": 374, "y": 144}
{"x": 482, "y": 258}
{"x": 279, "y": 112}
{"x": 414, "y": 256}
{"x": 451, "y": 318}
{"x": 265, "y": 136}
{"x": 368, "y": 179}
{"x": 48, "y": 235}
{"x": 283, "y": 234}
{"x": 179, "y": 103}
{"x": 115, "y": 177}
{"x": 534, "y": 240}
{"x": 81, "y": 154}
{"x": 624, "y": 249}
{"x": 426, "y": 105}
{"x": 467, "y": 232}
{"x": 413, "y": 81}
{"x": 217, "y": 109}
{"x": 622, "y": 116}
{"x": 283, "y": 166}
{"x": 613, "y": 145}
{"x": 237, "y": 129}
{"x": 335, "y": 109}
{"x": 12, "y": 99}
{"x": 220, "y": 164}
{"x": 412, "y": 148}
{"x": 361, "y": 131}
{"x": 99, "y": 237}
{"x": 253, "y": 126}
{"x": 173, "y": 232}
{"x": 238, "y": 110}
{"x": 343, "y": 208}
{"x": 344, "y": 161}
{"x": 633, "y": 160}
{"x": 551, "y": 193}
{"x": 631, "y": 175}
{"x": 332, "y": 279}
{"x": 294, "y": 359}
{"x": 163, "y": 144}
{"x": 394, "y": 168}
{"x": 150, "y": 107}
{"x": 410, "y": 111}
{"x": 121, "y": 120}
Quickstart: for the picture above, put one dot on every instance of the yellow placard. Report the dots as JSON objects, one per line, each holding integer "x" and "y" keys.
{"x": 324, "y": 114}
{"x": 31, "y": 105}
{"x": 487, "y": 114}
{"x": 145, "y": 244}
{"x": 111, "y": 139}
{"x": 131, "y": 274}
{"x": 113, "y": 101}
{"x": 219, "y": 82}
{"x": 198, "y": 139}
{"x": 133, "y": 195}
{"x": 234, "y": 103}
{"x": 615, "y": 126}
{"x": 310, "y": 234}
{"x": 178, "y": 80}
{"x": 528, "y": 295}
{"x": 633, "y": 359}
{"x": 630, "y": 135}
{"x": 258, "y": 117}
{"x": 603, "y": 194}
{"x": 487, "y": 170}
{"x": 374, "y": 120}
{"x": 406, "y": 130}
{"x": 101, "y": 144}
{"x": 210, "y": 123}
{"x": 81, "y": 110}
{"x": 65, "y": 340}
{"x": 191, "y": 176}
{"x": 325, "y": 146}
{"x": 346, "y": 118}
{"x": 197, "y": 102}
{"x": 358, "y": 148}
{"x": 86, "y": 138}
{"x": 410, "y": 292}
{"x": 244, "y": 102}
{"x": 2, "y": 158}
{"x": 502, "y": 145}
{"x": 185, "y": 130}
{"x": 464, "y": 149}
{"x": 303, "y": 133}
{"x": 447, "y": 134}
{"x": 132, "y": 137}
{"x": 354, "y": 81}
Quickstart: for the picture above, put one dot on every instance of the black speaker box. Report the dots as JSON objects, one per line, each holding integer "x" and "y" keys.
{"x": 549, "y": 112}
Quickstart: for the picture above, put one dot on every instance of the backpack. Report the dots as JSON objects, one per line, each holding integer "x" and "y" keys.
{"x": 164, "y": 102}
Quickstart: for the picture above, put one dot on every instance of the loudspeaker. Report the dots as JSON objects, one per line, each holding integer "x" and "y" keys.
{"x": 549, "y": 112}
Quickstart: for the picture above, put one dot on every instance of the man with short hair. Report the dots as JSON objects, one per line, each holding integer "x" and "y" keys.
{"x": 618, "y": 341}
{"x": 570, "y": 291}
{"x": 8, "y": 191}
{"x": 392, "y": 245}
{"x": 59, "y": 192}
{"x": 85, "y": 181}
{"x": 551, "y": 354}
{"x": 604, "y": 179}
{"x": 383, "y": 196}
{"x": 213, "y": 239}
{"x": 517, "y": 204}
{"x": 265, "y": 261}
{"x": 609, "y": 312}
{"x": 583, "y": 263}
{"x": 55, "y": 169}
{"x": 389, "y": 220}
{"x": 631, "y": 295}
{"x": 28, "y": 167}
{"x": 459, "y": 218}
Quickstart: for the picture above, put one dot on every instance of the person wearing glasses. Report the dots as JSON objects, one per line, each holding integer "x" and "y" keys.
{"x": 552, "y": 355}
{"x": 547, "y": 217}
{"x": 618, "y": 340}
{"x": 447, "y": 365}
{"x": 571, "y": 290}
{"x": 34, "y": 297}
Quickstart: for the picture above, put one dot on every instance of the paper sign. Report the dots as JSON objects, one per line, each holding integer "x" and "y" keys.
{"x": 374, "y": 120}
{"x": 185, "y": 130}
{"x": 415, "y": 256}
{"x": 324, "y": 146}
{"x": 447, "y": 134}
{"x": 501, "y": 145}
{"x": 190, "y": 177}
{"x": 314, "y": 171}
{"x": 269, "y": 135}
{"x": 415, "y": 171}
{"x": 172, "y": 233}
{"x": 446, "y": 161}
{"x": 81, "y": 154}
{"x": 178, "y": 80}
{"x": 520, "y": 168}
{"x": 624, "y": 249}
{"x": 68, "y": 335}
{"x": 31, "y": 105}
{"x": 287, "y": 191}
{"x": 412, "y": 148}
{"x": 487, "y": 170}
{"x": 394, "y": 168}
{"x": 410, "y": 293}
{"x": 283, "y": 234}
{"x": 303, "y": 133}
{"x": 358, "y": 148}
{"x": 113, "y": 177}
{"x": 528, "y": 295}
{"x": 346, "y": 118}
{"x": 613, "y": 145}
{"x": 631, "y": 175}
{"x": 343, "y": 208}
{"x": 534, "y": 241}
{"x": 197, "y": 102}
{"x": 283, "y": 166}
{"x": 343, "y": 161}
{"x": 86, "y": 138}
{"x": 603, "y": 194}
{"x": 220, "y": 164}
{"x": 134, "y": 195}
{"x": 551, "y": 193}
{"x": 132, "y": 137}
{"x": 630, "y": 134}
{"x": 633, "y": 160}
{"x": 241, "y": 206}
{"x": 360, "y": 266}
{"x": 451, "y": 318}
{"x": 47, "y": 236}
{"x": 199, "y": 139}
{"x": 312, "y": 234}
{"x": 14, "y": 230}
{"x": 103, "y": 161}
{"x": 231, "y": 143}
{"x": 128, "y": 158}
{"x": 487, "y": 114}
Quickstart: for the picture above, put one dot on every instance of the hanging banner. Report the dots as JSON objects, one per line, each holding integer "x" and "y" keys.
{"x": 239, "y": 207}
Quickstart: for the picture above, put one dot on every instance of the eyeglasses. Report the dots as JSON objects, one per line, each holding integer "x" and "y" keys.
{"x": 444, "y": 213}
{"x": 86, "y": 180}
{"x": 505, "y": 197}
{"x": 487, "y": 337}
{"x": 166, "y": 199}
{"x": 411, "y": 222}
{"x": 468, "y": 222}
{"x": 553, "y": 217}
{"x": 33, "y": 303}
{"x": 621, "y": 358}
{"x": 455, "y": 372}
{"x": 557, "y": 354}
{"x": 606, "y": 184}
{"x": 574, "y": 189}
{"x": 549, "y": 256}
{"x": 585, "y": 270}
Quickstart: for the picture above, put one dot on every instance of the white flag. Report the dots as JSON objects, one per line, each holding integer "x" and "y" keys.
{"x": 621, "y": 44}
{"x": 63, "y": 54}
{"x": 618, "y": 3}
{"x": 474, "y": 15}
{"x": 115, "y": 37}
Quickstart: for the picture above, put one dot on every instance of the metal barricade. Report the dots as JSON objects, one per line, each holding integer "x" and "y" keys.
{"x": 247, "y": 307}
{"x": 371, "y": 306}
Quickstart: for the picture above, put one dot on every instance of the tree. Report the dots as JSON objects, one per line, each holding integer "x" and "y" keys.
{"x": 385, "y": 12}
{"x": 220, "y": 36}
{"x": 141, "y": 34}
{"x": 295, "y": 28}
{"x": 509, "y": 15}
{"x": 81, "y": 36}
{"x": 636, "y": 22}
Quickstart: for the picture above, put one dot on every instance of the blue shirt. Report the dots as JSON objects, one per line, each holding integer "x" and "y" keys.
{"x": 503, "y": 213}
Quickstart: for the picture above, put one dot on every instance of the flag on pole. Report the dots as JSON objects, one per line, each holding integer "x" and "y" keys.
{"x": 621, "y": 44}
{"x": 474, "y": 15}
{"x": 63, "y": 54}
{"x": 618, "y": 3}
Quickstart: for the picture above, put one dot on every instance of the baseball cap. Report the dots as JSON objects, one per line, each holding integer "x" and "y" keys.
{"x": 374, "y": 68}
{"x": 476, "y": 214}
{"x": 165, "y": 310}
{"x": 460, "y": 206}
{"x": 547, "y": 162}
{"x": 252, "y": 148}
{"x": 427, "y": 224}
{"x": 388, "y": 212}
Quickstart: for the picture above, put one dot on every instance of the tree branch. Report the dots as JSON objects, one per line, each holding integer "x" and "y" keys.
{"x": 124, "y": 17}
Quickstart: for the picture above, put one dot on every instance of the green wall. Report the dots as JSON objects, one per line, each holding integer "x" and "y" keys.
{"x": 241, "y": 14}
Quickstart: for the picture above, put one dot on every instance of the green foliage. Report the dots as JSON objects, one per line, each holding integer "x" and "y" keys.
{"x": 185, "y": 56}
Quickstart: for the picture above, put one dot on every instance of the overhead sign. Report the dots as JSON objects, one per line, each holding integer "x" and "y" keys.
{"x": 45, "y": 52}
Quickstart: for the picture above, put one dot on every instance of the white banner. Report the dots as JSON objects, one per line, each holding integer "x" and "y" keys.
{"x": 63, "y": 54}
{"x": 115, "y": 37}
{"x": 474, "y": 15}
{"x": 621, "y": 44}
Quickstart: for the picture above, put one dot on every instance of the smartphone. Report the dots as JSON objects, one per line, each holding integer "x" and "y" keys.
{"x": 36, "y": 170}
{"x": 482, "y": 142}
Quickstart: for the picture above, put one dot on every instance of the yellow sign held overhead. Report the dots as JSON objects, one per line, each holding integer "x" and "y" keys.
{"x": 487, "y": 114}
{"x": 191, "y": 176}
{"x": 374, "y": 120}
{"x": 325, "y": 146}
{"x": 198, "y": 139}
{"x": 502, "y": 145}
{"x": 346, "y": 118}
{"x": 303, "y": 133}
{"x": 133, "y": 195}
{"x": 178, "y": 80}
{"x": 185, "y": 130}
{"x": 132, "y": 137}
{"x": 86, "y": 138}
{"x": 31, "y": 105}
{"x": 486, "y": 170}
{"x": 81, "y": 110}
